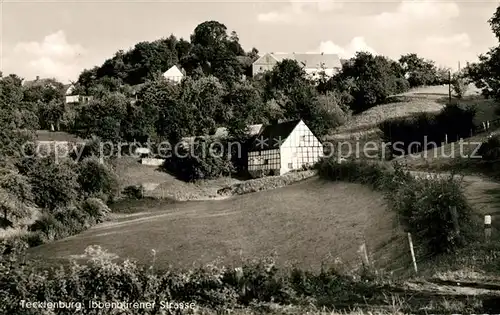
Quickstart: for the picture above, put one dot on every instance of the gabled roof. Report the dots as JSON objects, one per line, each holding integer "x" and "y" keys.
{"x": 68, "y": 89}
{"x": 310, "y": 60}
{"x": 174, "y": 71}
{"x": 273, "y": 136}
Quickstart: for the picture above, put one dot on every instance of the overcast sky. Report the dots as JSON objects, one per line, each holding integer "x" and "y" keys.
{"x": 61, "y": 38}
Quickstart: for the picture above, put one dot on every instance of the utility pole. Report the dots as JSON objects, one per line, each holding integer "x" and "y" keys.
{"x": 459, "y": 66}
{"x": 449, "y": 86}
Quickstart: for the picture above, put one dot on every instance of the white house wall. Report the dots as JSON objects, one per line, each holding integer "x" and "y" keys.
{"x": 175, "y": 79}
{"x": 265, "y": 160}
{"x": 72, "y": 99}
{"x": 301, "y": 148}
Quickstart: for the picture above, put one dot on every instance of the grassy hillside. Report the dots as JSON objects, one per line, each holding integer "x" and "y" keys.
{"x": 424, "y": 99}
{"x": 309, "y": 223}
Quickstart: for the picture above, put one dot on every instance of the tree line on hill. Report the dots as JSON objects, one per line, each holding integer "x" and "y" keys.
{"x": 133, "y": 102}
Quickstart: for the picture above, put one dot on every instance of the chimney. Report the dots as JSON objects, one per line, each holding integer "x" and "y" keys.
{"x": 274, "y": 121}
{"x": 322, "y": 53}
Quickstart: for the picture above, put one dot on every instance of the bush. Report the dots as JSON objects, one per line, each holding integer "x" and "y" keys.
{"x": 12, "y": 210}
{"x": 49, "y": 227}
{"x": 203, "y": 160}
{"x": 213, "y": 286}
{"x": 354, "y": 171}
{"x": 490, "y": 150}
{"x": 13, "y": 246}
{"x": 74, "y": 219}
{"x": 54, "y": 183}
{"x": 133, "y": 192}
{"x": 16, "y": 198}
{"x": 96, "y": 209}
{"x": 425, "y": 205}
{"x": 97, "y": 179}
{"x": 17, "y": 185}
{"x": 66, "y": 221}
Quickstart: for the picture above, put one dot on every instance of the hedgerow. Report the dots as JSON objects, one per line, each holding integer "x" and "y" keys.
{"x": 213, "y": 286}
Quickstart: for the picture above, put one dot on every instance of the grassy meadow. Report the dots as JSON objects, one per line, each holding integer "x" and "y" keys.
{"x": 308, "y": 223}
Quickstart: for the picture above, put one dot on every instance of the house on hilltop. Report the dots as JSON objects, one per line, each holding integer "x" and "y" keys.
{"x": 72, "y": 97}
{"x": 282, "y": 147}
{"x": 313, "y": 64}
{"x": 174, "y": 74}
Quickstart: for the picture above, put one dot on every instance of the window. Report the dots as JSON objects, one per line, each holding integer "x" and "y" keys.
{"x": 302, "y": 138}
{"x": 290, "y": 165}
{"x": 266, "y": 162}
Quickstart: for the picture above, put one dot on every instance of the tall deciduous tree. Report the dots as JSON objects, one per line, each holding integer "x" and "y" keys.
{"x": 368, "y": 80}
{"x": 102, "y": 117}
{"x": 214, "y": 52}
{"x": 206, "y": 96}
{"x": 418, "y": 70}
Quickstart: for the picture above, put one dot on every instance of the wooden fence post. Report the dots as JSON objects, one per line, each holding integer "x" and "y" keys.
{"x": 364, "y": 255}
{"x": 412, "y": 253}
{"x": 487, "y": 228}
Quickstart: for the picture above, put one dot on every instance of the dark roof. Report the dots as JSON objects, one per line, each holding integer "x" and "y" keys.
{"x": 37, "y": 82}
{"x": 272, "y": 136}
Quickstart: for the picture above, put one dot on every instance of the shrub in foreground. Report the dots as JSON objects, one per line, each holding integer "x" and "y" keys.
{"x": 213, "y": 286}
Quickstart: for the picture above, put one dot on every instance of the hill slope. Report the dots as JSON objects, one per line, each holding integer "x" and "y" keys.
{"x": 308, "y": 223}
